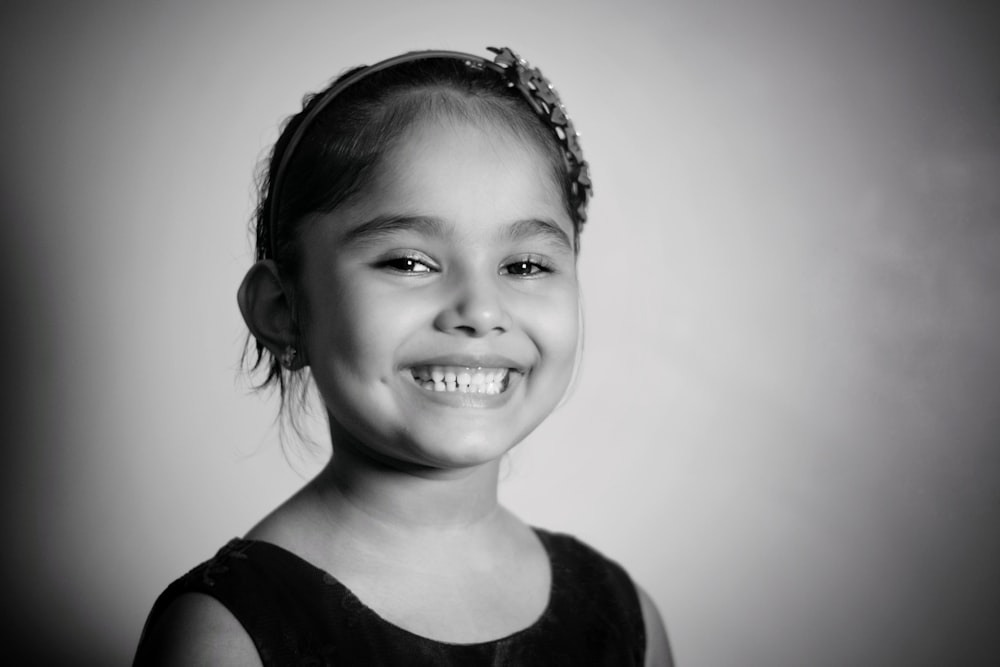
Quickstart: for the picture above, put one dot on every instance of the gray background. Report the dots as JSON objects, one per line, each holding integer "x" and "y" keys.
{"x": 787, "y": 424}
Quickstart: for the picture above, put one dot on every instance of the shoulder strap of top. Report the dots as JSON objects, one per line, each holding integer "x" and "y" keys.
{"x": 602, "y": 596}
{"x": 267, "y": 592}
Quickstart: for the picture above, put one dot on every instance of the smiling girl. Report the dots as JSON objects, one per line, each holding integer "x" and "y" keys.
{"x": 417, "y": 238}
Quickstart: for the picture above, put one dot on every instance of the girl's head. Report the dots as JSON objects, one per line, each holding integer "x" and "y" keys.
{"x": 415, "y": 174}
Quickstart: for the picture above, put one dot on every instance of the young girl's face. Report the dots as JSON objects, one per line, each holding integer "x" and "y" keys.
{"x": 441, "y": 305}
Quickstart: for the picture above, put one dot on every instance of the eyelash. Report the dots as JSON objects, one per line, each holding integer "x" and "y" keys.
{"x": 405, "y": 264}
{"x": 535, "y": 266}
{"x": 527, "y": 267}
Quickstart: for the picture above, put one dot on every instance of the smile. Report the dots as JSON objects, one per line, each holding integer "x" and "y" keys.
{"x": 462, "y": 379}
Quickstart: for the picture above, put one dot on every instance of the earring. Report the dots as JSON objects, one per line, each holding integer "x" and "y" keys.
{"x": 288, "y": 356}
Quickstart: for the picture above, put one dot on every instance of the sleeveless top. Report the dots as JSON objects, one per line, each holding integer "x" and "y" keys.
{"x": 298, "y": 614}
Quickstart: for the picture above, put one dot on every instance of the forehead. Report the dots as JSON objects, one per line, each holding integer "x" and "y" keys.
{"x": 468, "y": 174}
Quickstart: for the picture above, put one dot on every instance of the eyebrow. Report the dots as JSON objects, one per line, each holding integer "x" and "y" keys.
{"x": 537, "y": 227}
{"x": 384, "y": 226}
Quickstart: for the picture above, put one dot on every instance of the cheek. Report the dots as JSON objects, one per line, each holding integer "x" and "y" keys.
{"x": 338, "y": 325}
{"x": 362, "y": 331}
{"x": 355, "y": 333}
{"x": 558, "y": 328}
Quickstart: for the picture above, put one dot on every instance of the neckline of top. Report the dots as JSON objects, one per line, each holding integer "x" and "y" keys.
{"x": 355, "y": 601}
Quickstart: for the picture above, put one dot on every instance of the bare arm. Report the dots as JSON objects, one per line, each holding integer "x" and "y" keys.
{"x": 657, "y": 647}
{"x": 197, "y": 630}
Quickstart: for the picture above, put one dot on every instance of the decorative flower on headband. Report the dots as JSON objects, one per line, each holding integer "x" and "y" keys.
{"x": 542, "y": 97}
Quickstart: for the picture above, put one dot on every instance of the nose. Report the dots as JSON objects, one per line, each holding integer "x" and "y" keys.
{"x": 473, "y": 307}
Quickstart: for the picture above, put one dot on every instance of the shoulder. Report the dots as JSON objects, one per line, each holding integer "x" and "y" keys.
{"x": 196, "y": 629}
{"x": 658, "y": 652}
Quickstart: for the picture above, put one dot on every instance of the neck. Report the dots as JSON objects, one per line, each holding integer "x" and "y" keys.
{"x": 359, "y": 489}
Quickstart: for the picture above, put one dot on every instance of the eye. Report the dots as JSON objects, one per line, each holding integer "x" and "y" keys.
{"x": 526, "y": 267}
{"x": 407, "y": 264}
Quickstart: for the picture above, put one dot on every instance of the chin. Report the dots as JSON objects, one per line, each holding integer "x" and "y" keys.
{"x": 450, "y": 452}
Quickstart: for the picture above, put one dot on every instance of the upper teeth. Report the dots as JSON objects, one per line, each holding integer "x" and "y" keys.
{"x": 461, "y": 378}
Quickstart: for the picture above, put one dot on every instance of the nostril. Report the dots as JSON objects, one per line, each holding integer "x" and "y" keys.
{"x": 471, "y": 330}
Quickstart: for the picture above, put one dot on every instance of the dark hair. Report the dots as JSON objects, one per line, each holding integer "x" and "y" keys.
{"x": 338, "y": 154}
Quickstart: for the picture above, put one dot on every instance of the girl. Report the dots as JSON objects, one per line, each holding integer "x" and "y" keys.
{"x": 417, "y": 237}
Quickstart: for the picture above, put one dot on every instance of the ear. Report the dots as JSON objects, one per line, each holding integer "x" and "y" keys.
{"x": 266, "y": 306}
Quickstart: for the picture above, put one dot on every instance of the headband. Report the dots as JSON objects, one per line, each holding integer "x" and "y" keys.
{"x": 530, "y": 82}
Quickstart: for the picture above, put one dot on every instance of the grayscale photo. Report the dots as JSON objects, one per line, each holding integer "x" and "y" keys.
{"x": 533, "y": 334}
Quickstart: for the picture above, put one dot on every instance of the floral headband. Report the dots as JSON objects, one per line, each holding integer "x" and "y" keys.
{"x": 529, "y": 81}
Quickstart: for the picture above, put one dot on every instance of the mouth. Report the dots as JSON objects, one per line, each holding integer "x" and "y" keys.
{"x": 462, "y": 379}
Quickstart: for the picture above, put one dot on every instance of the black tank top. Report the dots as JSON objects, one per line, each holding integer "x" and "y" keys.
{"x": 297, "y": 614}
